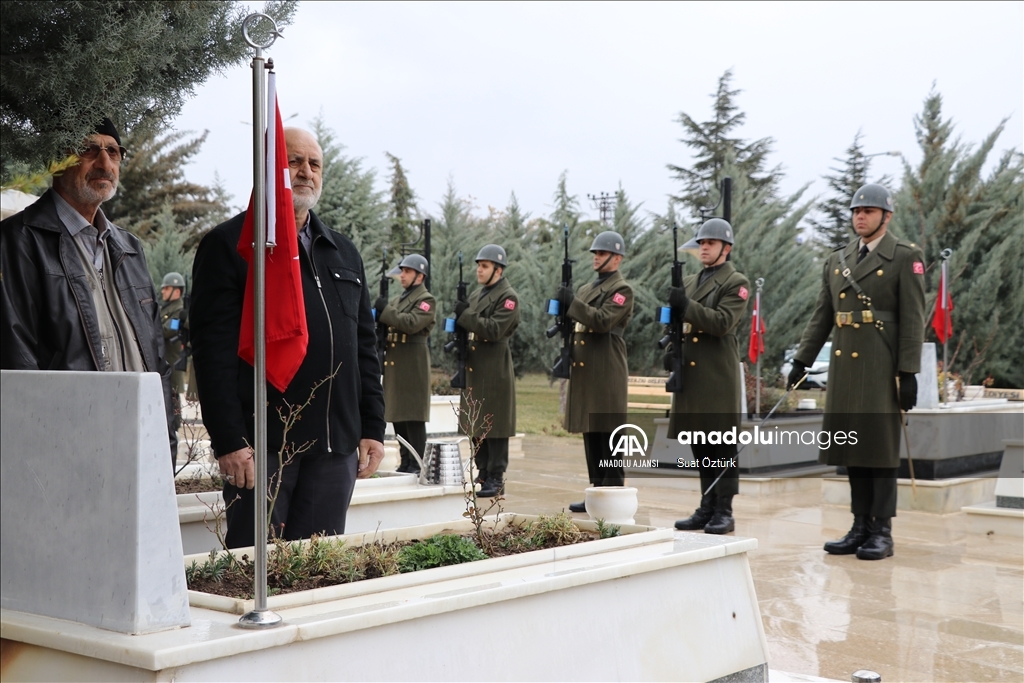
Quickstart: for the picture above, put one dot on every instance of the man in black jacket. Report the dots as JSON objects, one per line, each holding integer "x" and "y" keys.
{"x": 75, "y": 291}
{"x": 340, "y": 433}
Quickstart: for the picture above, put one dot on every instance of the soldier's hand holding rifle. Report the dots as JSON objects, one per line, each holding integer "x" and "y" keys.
{"x": 677, "y": 296}
{"x": 565, "y": 297}
{"x": 460, "y": 308}
{"x": 380, "y": 304}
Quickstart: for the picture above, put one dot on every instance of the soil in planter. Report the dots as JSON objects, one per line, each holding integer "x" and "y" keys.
{"x": 299, "y": 566}
{"x": 203, "y": 485}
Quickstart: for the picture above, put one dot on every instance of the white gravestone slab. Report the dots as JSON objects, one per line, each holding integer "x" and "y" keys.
{"x": 928, "y": 378}
{"x": 89, "y": 518}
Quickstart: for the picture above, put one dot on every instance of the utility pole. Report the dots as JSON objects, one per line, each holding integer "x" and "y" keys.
{"x": 605, "y": 205}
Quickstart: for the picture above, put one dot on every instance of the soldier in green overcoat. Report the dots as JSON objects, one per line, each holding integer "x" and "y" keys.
{"x": 490, "y": 317}
{"x": 171, "y": 320}
{"x": 872, "y": 303}
{"x": 599, "y": 374}
{"x": 410, "y": 317}
{"x": 714, "y": 303}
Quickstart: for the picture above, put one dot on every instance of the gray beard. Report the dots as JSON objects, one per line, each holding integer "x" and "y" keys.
{"x": 304, "y": 202}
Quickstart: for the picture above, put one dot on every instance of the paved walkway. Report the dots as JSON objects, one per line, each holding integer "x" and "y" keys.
{"x": 948, "y": 607}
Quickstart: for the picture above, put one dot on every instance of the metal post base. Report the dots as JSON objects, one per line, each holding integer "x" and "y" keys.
{"x": 257, "y": 619}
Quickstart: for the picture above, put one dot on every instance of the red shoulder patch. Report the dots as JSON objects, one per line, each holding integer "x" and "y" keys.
{"x": 918, "y": 268}
{"x": 424, "y": 305}
{"x": 744, "y": 293}
{"x": 510, "y": 304}
{"x": 618, "y": 298}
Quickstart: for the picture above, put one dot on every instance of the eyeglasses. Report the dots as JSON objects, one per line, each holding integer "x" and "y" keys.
{"x": 92, "y": 150}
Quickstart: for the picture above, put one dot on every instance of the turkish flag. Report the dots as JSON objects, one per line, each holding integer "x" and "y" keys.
{"x": 942, "y": 321}
{"x": 756, "y": 331}
{"x": 285, "y": 312}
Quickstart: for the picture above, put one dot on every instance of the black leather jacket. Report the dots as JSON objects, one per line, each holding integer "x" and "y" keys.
{"x": 47, "y": 317}
{"x": 348, "y": 407}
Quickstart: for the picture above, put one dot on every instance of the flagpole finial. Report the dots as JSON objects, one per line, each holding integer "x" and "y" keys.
{"x": 945, "y": 254}
{"x": 759, "y": 282}
{"x": 250, "y": 23}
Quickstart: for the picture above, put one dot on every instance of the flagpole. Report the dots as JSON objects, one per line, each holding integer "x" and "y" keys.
{"x": 757, "y": 384}
{"x": 260, "y": 616}
{"x": 944, "y": 294}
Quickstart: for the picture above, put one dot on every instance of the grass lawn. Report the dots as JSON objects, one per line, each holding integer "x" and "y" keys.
{"x": 537, "y": 406}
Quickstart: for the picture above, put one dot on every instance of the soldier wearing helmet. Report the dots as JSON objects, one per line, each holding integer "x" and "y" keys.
{"x": 174, "y": 319}
{"x": 410, "y": 317}
{"x": 490, "y": 318}
{"x": 713, "y": 303}
{"x": 599, "y": 374}
{"x": 872, "y": 304}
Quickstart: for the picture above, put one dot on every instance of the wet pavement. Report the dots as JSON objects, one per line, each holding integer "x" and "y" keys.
{"x": 949, "y": 606}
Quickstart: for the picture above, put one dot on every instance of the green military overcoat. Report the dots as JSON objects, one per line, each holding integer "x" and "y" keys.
{"x": 410, "y": 318}
{"x": 599, "y": 375}
{"x": 710, "y": 399}
{"x": 173, "y": 347}
{"x": 866, "y": 356}
{"x": 491, "y": 320}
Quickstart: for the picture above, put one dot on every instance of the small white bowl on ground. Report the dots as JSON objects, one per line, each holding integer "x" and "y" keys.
{"x": 613, "y": 504}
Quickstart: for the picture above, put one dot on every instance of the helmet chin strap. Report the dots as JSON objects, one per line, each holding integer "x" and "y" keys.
{"x": 494, "y": 271}
{"x": 717, "y": 258}
{"x": 879, "y": 227}
{"x": 605, "y": 262}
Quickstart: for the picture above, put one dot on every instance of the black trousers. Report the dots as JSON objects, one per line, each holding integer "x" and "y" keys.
{"x": 873, "y": 491}
{"x": 416, "y": 434}
{"x": 316, "y": 489}
{"x": 713, "y": 460}
{"x": 492, "y": 458}
{"x": 596, "y": 448}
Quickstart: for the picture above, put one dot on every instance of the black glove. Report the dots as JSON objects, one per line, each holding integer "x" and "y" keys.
{"x": 460, "y": 307}
{"x": 908, "y": 391}
{"x": 380, "y": 304}
{"x": 796, "y": 374}
{"x": 565, "y": 298}
{"x": 677, "y": 297}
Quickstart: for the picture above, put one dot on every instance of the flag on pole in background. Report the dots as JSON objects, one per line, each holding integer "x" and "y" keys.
{"x": 942, "y": 321}
{"x": 286, "y": 335}
{"x": 756, "y": 331}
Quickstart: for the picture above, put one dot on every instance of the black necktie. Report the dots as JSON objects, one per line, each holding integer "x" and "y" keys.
{"x": 863, "y": 253}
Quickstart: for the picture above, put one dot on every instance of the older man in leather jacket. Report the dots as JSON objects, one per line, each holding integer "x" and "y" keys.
{"x": 75, "y": 292}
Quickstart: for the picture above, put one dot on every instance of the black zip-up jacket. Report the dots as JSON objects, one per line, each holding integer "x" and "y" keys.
{"x": 348, "y": 407}
{"x": 47, "y": 316}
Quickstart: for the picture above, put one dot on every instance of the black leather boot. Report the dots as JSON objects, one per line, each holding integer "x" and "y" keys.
{"x": 578, "y": 507}
{"x": 700, "y": 517}
{"x": 494, "y": 486}
{"x": 854, "y": 538}
{"x": 721, "y": 521}
{"x": 481, "y": 477}
{"x": 879, "y": 543}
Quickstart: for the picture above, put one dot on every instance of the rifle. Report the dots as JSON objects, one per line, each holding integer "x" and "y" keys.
{"x": 460, "y": 339}
{"x": 382, "y": 329}
{"x": 674, "y": 329}
{"x": 563, "y": 323}
{"x": 181, "y": 325}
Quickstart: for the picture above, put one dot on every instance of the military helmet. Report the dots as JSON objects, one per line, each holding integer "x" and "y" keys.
{"x": 414, "y": 261}
{"x": 492, "y": 253}
{"x": 715, "y": 229}
{"x": 609, "y": 241}
{"x": 173, "y": 280}
{"x": 872, "y": 195}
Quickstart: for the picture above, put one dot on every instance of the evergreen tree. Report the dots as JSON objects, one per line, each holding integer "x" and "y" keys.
{"x": 945, "y": 203}
{"x": 711, "y": 144}
{"x": 348, "y": 201}
{"x": 166, "y": 250}
{"x": 67, "y": 64}
{"x": 833, "y": 227}
{"x": 403, "y": 204}
{"x": 153, "y": 181}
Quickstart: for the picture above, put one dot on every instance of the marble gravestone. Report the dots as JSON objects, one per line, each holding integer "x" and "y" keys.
{"x": 89, "y": 519}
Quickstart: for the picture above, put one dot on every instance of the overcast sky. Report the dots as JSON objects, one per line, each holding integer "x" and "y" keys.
{"x": 504, "y": 97}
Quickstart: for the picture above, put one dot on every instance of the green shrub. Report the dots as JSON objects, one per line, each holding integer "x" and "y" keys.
{"x": 438, "y": 551}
